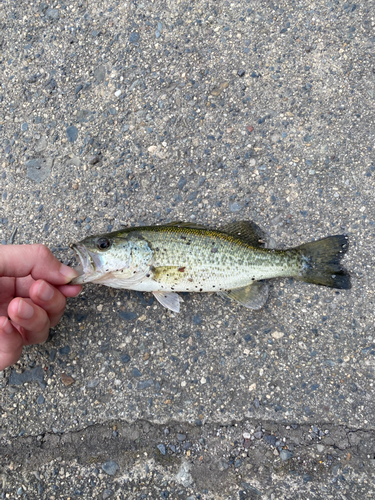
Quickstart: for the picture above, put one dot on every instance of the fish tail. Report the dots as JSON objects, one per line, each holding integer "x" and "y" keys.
{"x": 321, "y": 262}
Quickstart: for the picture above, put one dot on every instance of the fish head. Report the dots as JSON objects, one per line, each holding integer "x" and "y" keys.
{"x": 105, "y": 257}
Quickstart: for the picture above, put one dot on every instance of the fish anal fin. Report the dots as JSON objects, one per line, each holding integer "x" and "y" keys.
{"x": 247, "y": 231}
{"x": 170, "y": 300}
{"x": 252, "y": 296}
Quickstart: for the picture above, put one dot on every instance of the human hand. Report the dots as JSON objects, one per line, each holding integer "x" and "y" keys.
{"x": 33, "y": 291}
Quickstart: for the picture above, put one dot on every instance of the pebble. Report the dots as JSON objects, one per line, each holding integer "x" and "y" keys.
{"x": 67, "y": 380}
{"x": 125, "y": 358}
{"x": 118, "y": 93}
{"x": 52, "y": 14}
{"x": 39, "y": 169}
{"x": 145, "y": 384}
{"x": 134, "y": 37}
{"x": 285, "y": 455}
{"x": 277, "y": 335}
{"x": 136, "y": 373}
{"x": 110, "y": 467}
{"x": 92, "y": 383}
{"x": 107, "y": 494}
{"x": 320, "y": 448}
{"x": 72, "y": 133}
{"x": 181, "y": 437}
{"x": 235, "y": 207}
{"x": 127, "y": 315}
{"x": 64, "y": 350}
{"x": 99, "y": 74}
{"x": 24, "y": 127}
{"x": 162, "y": 449}
{"x": 40, "y": 399}
{"x": 35, "y": 374}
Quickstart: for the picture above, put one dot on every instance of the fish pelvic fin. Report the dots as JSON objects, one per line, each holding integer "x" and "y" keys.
{"x": 321, "y": 262}
{"x": 252, "y": 296}
{"x": 170, "y": 300}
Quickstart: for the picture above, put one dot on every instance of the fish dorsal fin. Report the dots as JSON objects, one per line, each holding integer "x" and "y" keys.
{"x": 252, "y": 296}
{"x": 189, "y": 225}
{"x": 170, "y": 300}
{"x": 248, "y": 232}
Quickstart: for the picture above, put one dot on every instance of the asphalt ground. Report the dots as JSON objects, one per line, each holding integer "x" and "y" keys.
{"x": 130, "y": 113}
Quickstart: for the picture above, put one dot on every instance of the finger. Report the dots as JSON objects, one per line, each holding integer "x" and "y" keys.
{"x": 50, "y": 299}
{"x": 31, "y": 320}
{"x": 23, "y": 286}
{"x": 10, "y": 343}
{"x": 37, "y": 260}
{"x": 70, "y": 290}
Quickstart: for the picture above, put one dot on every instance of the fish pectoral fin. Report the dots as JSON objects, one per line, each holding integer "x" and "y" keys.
{"x": 252, "y": 296}
{"x": 247, "y": 231}
{"x": 170, "y": 300}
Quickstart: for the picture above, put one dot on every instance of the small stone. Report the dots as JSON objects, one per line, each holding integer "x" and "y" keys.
{"x": 52, "y": 13}
{"x": 39, "y": 169}
{"x": 67, "y": 380}
{"x": 127, "y": 315}
{"x": 320, "y": 448}
{"x": 145, "y": 384}
{"x": 181, "y": 437}
{"x": 64, "y": 350}
{"x": 249, "y": 128}
{"x": 261, "y": 189}
{"x": 99, "y": 74}
{"x": 311, "y": 172}
{"x": 125, "y": 358}
{"x": 134, "y": 37}
{"x": 110, "y": 467}
{"x": 41, "y": 145}
{"x": 241, "y": 73}
{"x": 235, "y": 207}
{"x": 118, "y": 93}
{"x": 107, "y": 494}
{"x": 136, "y": 373}
{"x": 91, "y": 384}
{"x": 24, "y": 127}
{"x": 94, "y": 159}
{"x": 40, "y": 399}
{"x": 72, "y": 133}
{"x": 20, "y": 490}
{"x": 36, "y": 374}
{"x": 162, "y": 449}
{"x": 285, "y": 455}
{"x": 277, "y": 335}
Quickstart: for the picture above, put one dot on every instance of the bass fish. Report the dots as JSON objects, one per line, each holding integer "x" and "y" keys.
{"x": 185, "y": 257}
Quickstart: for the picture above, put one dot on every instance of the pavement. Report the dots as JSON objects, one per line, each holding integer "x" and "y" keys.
{"x": 128, "y": 113}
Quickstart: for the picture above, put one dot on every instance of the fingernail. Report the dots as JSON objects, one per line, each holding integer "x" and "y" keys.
{"x": 45, "y": 291}
{"x": 67, "y": 272}
{"x": 25, "y": 310}
{"x": 7, "y": 326}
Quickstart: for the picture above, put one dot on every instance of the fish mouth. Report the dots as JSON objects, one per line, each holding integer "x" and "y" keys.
{"x": 86, "y": 265}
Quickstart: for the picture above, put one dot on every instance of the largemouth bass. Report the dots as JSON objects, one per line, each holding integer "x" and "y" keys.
{"x": 184, "y": 257}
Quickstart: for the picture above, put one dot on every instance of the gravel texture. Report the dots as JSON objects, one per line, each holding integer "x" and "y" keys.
{"x": 126, "y": 113}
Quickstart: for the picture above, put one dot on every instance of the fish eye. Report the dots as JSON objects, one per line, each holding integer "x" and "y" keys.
{"x": 103, "y": 243}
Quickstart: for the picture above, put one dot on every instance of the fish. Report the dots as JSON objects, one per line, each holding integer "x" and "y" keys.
{"x": 234, "y": 261}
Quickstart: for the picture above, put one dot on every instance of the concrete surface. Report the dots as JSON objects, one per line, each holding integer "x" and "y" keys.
{"x": 119, "y": 113}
